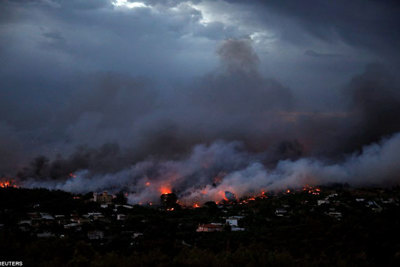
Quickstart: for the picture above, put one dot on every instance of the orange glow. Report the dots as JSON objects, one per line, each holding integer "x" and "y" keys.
{"x": 311, "y": 190}
{"x": 171, "y": 209}
{"x": 72, "y": 175}
{"x": 195, "y": 205}
{"x": 147, "y": 183}
{"x": 165, "y": 190}
{"x": 222, "y": 194}
{"x": 7, "y": 184}
{"x": 288, "y": 191}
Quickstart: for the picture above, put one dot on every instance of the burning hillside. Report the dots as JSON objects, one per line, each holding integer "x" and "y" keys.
{"x": 7, "y": 183}
{"x": 224, "y": 171}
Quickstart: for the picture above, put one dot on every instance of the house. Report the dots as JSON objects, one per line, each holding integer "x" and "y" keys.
{"x": 322, "y": 202}
{"x": 103, "y": 198}
{"x": 25, "y": 222}
{"x": 83, "y": 220}
{"x": 237, "y": 229}
{"x": 94, "y": 215}
{"x": 212, "y": 227}
{"x": 136, "y": 235}
{"x": 25, "y": 225}
{"x": 121, "y": 217}
{"x": 46, "y": 216}
{"x": 45, "y": 235}
{"x": 60, "y": 219}
{"x": 95, "y": 235}
{"x": 280, "y": 212}
{"x": 34, "y": 215}
{"x": 374, "y": 206}
{"x": 232, "y": 221}
{"x": 332, "y": 196}
{"x": 335, "y": 214}
{"x": 76, "y": 226}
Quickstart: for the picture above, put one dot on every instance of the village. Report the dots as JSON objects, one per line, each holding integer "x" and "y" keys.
{"x": 106, "y": 222}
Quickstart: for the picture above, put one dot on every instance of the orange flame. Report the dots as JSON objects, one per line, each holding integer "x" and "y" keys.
{"x": 165, "y": 190}
{"x": 7, "y": 184}
{"x": 222, "y": 193}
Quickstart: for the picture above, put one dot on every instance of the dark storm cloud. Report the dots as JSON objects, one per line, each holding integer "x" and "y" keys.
{"x": 313, "y": 53}
{"x": 372, "y": 25}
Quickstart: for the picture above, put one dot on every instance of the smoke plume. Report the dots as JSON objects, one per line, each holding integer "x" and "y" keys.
{"x": 230, "y": 130}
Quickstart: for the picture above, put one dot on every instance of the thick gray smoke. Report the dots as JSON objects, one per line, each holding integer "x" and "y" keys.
{"x": 211, "y": 170}
{"x": 267, "y": 142}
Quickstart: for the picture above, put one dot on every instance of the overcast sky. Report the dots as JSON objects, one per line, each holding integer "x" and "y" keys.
{"x": 157, "y": 77}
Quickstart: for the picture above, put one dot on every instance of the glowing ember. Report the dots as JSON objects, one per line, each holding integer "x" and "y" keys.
{"x": 72, "y": 175}
{"x": 195, "y": 205}
{"x": 147, "y": 183}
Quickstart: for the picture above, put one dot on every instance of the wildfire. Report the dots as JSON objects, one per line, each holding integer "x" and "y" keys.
{"x": 147, "y": 184}
{"x": 261, "y": 195}
{"x": 7, "y": 184}
{"x": 311, "y": 190}
{"x": 222, "y": 194}
{"x": 165, "y": 190}
{"x": 195, "y": 205}
{"x": 72, "y": 175}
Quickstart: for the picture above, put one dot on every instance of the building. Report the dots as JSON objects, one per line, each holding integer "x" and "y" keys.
{"x": 212, "y": 227}
{"x": 121, "y": 217}
{"x": 45, "y": 235}
{"x": 237, "y": 229}
{"x": 232, "y": 221}
{"x": 280, "y": 212}
{"x": 95, "y": 235}
{"x": 103, "y": 198}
